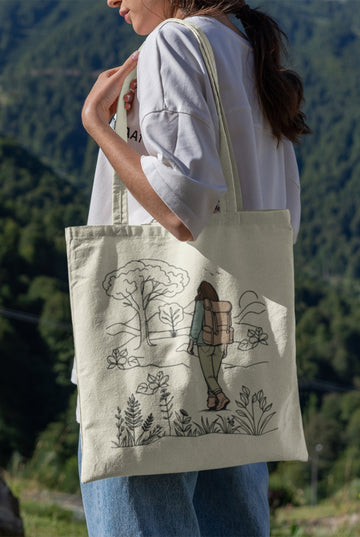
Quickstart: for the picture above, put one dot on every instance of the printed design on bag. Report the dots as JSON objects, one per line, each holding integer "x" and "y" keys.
{"x": 172, "y": 315}
{"x": 120, "y": 359}
{"x": 211, "y": 330}
{"x": 149, "y": 315}
{"x": 133, "y": 429}
{"x": 252, "y": 417}
{"x": 137, "y": 286}
{"x": 249, "y": 334}
{"x": 153, "y": 383}
{"x": 250, "y": 304}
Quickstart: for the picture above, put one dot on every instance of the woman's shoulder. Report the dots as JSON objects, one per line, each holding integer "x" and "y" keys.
{"x": 170, "y": 35}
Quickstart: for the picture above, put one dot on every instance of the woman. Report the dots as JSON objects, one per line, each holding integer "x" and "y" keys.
{"x": 210, "y": 354}
{"x": 173, "y": 173}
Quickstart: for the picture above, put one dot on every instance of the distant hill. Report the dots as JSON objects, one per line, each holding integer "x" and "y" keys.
{"x": 50, "y": 53}
{"x": 325, "y": 38}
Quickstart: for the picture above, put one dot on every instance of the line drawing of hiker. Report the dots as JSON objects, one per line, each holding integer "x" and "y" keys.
{"x": 212, "y": 332}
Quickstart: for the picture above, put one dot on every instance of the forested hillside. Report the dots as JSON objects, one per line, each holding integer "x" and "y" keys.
{"x": 35, "y": 325}
{"x": 50, "y": 54}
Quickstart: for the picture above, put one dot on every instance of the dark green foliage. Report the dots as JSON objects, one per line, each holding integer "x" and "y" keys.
{"x": 35, "y": 328}
{"x": 328, "y": 333}
{"x": 45, "y": 81}
{"x": 54, "y": 461}
{"x": 325, "y": 46}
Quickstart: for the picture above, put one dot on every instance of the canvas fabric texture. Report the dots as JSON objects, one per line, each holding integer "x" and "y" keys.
{"x": 217, "y": 328}
{"x": 143, "y": 397}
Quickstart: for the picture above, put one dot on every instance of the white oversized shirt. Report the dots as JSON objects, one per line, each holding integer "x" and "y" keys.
{"x": 174, "y": 126}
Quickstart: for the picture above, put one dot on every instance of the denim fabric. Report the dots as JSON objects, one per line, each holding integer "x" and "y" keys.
{"x": 231, "y": 502}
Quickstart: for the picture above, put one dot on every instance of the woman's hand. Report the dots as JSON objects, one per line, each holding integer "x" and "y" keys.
{"x": 101, "y": 103}
{"x": 190, "y": 348}
{"x": 129, "y": 97}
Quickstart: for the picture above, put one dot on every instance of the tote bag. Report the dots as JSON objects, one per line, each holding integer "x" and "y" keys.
{"x": 137, "y": 298}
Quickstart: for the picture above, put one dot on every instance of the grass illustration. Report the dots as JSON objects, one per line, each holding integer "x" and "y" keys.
{"x": 182, "y": 424}
{"x": 253, "y": 416}
{"x": 206, "y": 427}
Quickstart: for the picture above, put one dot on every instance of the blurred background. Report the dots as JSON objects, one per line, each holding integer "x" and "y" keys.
{"x": 51, "y": 52}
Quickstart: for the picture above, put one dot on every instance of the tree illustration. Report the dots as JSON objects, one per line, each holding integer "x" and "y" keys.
{"x": 139, "y": 283}
{"x": 171, "y": 314}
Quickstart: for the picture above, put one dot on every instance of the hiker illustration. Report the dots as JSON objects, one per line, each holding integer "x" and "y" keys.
{"x": 211, "y": 331}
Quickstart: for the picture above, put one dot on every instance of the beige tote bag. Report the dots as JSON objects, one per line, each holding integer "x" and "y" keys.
{"x": 154, "y": 398}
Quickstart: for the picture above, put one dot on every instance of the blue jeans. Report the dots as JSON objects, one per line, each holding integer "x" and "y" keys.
{"x": 231, "y": 502}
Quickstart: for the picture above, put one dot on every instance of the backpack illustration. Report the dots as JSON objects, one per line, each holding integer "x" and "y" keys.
{"x": 217, "y": 327}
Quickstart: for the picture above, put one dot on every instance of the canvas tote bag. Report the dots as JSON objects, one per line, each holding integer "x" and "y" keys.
{"x": 144, "y": 399}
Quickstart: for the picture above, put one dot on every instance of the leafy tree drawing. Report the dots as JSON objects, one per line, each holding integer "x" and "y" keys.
{"x": 139, "y": 283}
{"x": 171, "y": 314}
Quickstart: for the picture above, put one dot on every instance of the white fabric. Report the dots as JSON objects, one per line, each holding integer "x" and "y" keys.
{"x": 174, "y": 124}
{"x": 177, "y": 124}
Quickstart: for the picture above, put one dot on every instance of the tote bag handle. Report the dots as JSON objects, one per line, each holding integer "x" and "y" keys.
{"x": 232, "y": 200}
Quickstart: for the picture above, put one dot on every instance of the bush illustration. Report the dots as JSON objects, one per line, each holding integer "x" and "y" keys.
{"x": 120, "y": 359}
{"x": 252, "y": 415}
{"x": 182, "y": 424}
{"x": 250, "y": 305}
{"x": 132, "y": 429}
{"x": 171, "y": 314}
{"x": 153, "y": 384}
{"x": 138, "y": 284}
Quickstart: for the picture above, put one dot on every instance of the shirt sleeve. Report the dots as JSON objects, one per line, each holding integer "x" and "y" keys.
{"x": 179, "y": 125}
{"x": 197, "y": 322}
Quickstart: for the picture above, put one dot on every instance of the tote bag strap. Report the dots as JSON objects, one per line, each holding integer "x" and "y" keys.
{"x": 232, "y": 201}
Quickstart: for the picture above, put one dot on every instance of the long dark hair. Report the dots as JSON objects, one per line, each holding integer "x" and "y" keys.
{"x": 280, "y": 90}
{"x": 206, "y": 290}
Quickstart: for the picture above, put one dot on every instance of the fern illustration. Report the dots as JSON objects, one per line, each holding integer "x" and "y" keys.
{"x": 132, "y": 430}
{"x": 154, "y": 434}
{"x": 120, "y": 428}
{"x": 146, "y": 426}
{"x": 166, "y": 407}
{"x": 133, "y": 418}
